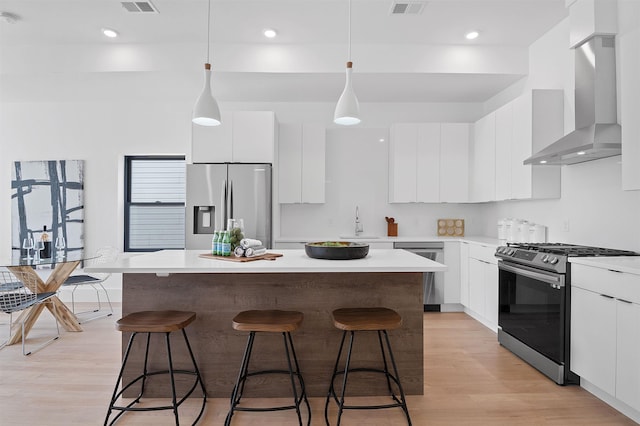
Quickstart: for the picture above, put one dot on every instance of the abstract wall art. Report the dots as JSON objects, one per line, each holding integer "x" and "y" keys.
{"x": 48, "y": 193}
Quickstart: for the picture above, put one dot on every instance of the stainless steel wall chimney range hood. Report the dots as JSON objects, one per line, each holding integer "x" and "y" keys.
{"x": 597, "y": 134}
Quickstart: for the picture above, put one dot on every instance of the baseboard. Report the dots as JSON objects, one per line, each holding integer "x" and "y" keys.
{"x": 612, "y": 401}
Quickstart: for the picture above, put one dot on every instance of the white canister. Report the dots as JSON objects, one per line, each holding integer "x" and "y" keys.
{"x": 540, "y": 234}
{"x": 523, "y": 231}
{"x": 510, "y": 230}
{"x": 502, "y": 230}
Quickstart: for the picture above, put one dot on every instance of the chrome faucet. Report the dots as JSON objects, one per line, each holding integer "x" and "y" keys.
{"x": 359, "y": 228}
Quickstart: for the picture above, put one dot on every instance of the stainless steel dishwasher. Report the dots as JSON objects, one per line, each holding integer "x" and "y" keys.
{"x": 433, "y": 282}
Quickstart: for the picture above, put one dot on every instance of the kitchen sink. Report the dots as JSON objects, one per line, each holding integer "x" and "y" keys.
{"x": 360, "y": 237}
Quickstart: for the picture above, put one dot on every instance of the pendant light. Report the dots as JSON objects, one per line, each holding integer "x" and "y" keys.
{"x": 206, "y": 111}
{"x": 347, "y": 111}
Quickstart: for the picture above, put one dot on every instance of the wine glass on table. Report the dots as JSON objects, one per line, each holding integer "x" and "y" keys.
{"x": 60, "y": 245}
{"x": 27, "y": 244}
{"x": 39, "y": 248}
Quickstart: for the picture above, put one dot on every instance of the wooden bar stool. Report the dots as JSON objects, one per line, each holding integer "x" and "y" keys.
{"x": 270, "y": 321}
{"x": 156, "y": 322}
{"x": 365, "y": 319}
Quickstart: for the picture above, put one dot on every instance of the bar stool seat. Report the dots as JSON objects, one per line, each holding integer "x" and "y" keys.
{"x": 156, "y": 322}
{"x": 269, "y": 321}
{"x": 351, "y": 320}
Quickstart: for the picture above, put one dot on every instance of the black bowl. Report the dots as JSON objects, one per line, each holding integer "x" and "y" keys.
{"x": 336, "y": 250}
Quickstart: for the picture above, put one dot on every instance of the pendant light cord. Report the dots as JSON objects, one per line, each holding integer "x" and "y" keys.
{"x": 349, "y": 32}
{"x": 209, "y": 28}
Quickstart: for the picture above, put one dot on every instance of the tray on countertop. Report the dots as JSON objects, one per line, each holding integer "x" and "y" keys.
{"x": 266, "y": 256}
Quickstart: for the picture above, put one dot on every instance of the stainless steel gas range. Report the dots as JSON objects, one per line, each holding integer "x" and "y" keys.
{"x": 535, "y": 300}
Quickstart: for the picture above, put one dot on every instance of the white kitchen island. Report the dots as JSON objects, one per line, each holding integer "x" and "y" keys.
{"x": 218, "y": 289}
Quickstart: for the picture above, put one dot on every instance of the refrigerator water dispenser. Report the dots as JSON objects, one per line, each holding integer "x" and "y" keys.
{"x": 203, "y": 222}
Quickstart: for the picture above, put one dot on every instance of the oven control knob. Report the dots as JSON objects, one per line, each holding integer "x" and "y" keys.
{"x": 500, "y": 250}
{"x": 511, "y": 252}
{"x": 553, "y": 260}
{"x": 545, "y": 258}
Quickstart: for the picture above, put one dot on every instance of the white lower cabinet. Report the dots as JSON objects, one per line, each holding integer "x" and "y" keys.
{"x": 452, "y": 275}
{"x": 605, "y": 337}
{"x": 628, "y": 353}
{"x": 464, "y": 274}
{"x": 593, "y": 338}
{"x": 482, "y": 285}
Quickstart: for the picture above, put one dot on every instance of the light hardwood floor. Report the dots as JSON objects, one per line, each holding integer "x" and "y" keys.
{"x": 469, "y": 380}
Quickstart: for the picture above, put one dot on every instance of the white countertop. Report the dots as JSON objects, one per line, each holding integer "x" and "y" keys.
{"x": 629, "y": 264}
{"x": 426, "y": 238}
{"x": 292, "y": 261}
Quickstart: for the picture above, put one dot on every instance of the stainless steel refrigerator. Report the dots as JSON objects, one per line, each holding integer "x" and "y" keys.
{"x": 217, "y": 192}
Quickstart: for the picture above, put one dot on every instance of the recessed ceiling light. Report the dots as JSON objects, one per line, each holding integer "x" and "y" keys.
{"x": 381, "y": 140}
{"x": 109, "y": 32}
{"x": 270, "y": 33}
{"x": 472, "y": 35}
{"x": 543, "y": 162}
{"x": 581, "y": 153}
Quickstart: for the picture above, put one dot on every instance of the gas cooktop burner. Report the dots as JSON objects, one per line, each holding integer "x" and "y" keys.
{"x": 570, "y": 250}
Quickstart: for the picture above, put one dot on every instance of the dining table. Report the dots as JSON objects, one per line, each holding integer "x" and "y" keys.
{"x": 61, "y": 268}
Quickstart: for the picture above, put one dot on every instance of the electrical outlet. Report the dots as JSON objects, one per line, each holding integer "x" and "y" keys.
{"x": 565, "y": 225}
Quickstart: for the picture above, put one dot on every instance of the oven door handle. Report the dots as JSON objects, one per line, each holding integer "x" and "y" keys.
{"x": 550, "y": 279}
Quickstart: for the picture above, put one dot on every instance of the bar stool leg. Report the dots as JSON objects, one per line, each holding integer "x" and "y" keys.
{"x": 331, "y": 393}
{"x": 303, "y": 390}
{"x": 242, "y": 377}
{"x": 386, "y": 368}
{"x": 198, "y": 376}
{"x": 395, "y": 371}
{"x": 173, "y": 382}
{"x": 118, "y": 380}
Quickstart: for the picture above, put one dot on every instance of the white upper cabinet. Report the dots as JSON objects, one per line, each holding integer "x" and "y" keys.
{"x": 454, "y": 162}
{"x": 301, "y": 163}
{"x": 403, "y": 174}
{"x": 483, "y": 160}
{"x": 629, "y": 52}
{"x": 243, "y": 137}
{"x": 428, "y": 162}
{"x": 518, "y": 129}
{"x": 504, "y": 141}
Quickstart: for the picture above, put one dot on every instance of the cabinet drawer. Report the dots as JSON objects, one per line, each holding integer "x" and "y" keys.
{"x": 617, "y": 284}
{"x": 483, "y": 253}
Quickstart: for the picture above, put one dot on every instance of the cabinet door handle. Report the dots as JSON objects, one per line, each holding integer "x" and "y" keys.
{"x": 625, "y": 301}
{"x": 607, "y": 296}
{"x": 613, "y": 270}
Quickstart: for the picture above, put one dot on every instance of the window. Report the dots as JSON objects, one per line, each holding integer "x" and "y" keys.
{"x": 154, "y": 203}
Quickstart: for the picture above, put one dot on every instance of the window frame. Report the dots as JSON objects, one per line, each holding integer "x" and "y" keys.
{"x": 128, "y": 159}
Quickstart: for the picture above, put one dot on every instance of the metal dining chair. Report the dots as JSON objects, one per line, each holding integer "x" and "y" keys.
{"x": 19, "y": 292}
{"x": 95, "y": 280}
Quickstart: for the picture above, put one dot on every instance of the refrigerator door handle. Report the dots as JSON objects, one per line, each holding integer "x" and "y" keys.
{"x": 230, "y": 199}
{"x": 223, "y": 204}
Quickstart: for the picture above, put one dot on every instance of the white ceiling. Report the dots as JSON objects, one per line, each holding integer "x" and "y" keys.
{"x": 408, "y": 58}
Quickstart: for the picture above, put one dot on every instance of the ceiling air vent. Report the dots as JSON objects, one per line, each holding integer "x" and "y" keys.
{"x": 139, "y": 6}
{"x": 407, "y": 8}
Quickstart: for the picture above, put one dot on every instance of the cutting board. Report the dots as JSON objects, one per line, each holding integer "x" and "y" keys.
{"x": 266, "y": 256}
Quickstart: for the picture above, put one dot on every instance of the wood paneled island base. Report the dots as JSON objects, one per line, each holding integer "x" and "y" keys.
{"x": 218, "y": 297}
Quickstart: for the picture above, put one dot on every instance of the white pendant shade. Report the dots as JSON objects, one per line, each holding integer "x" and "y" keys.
{"x": 206, "y": 111}
{"x": 347, "y": 109}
